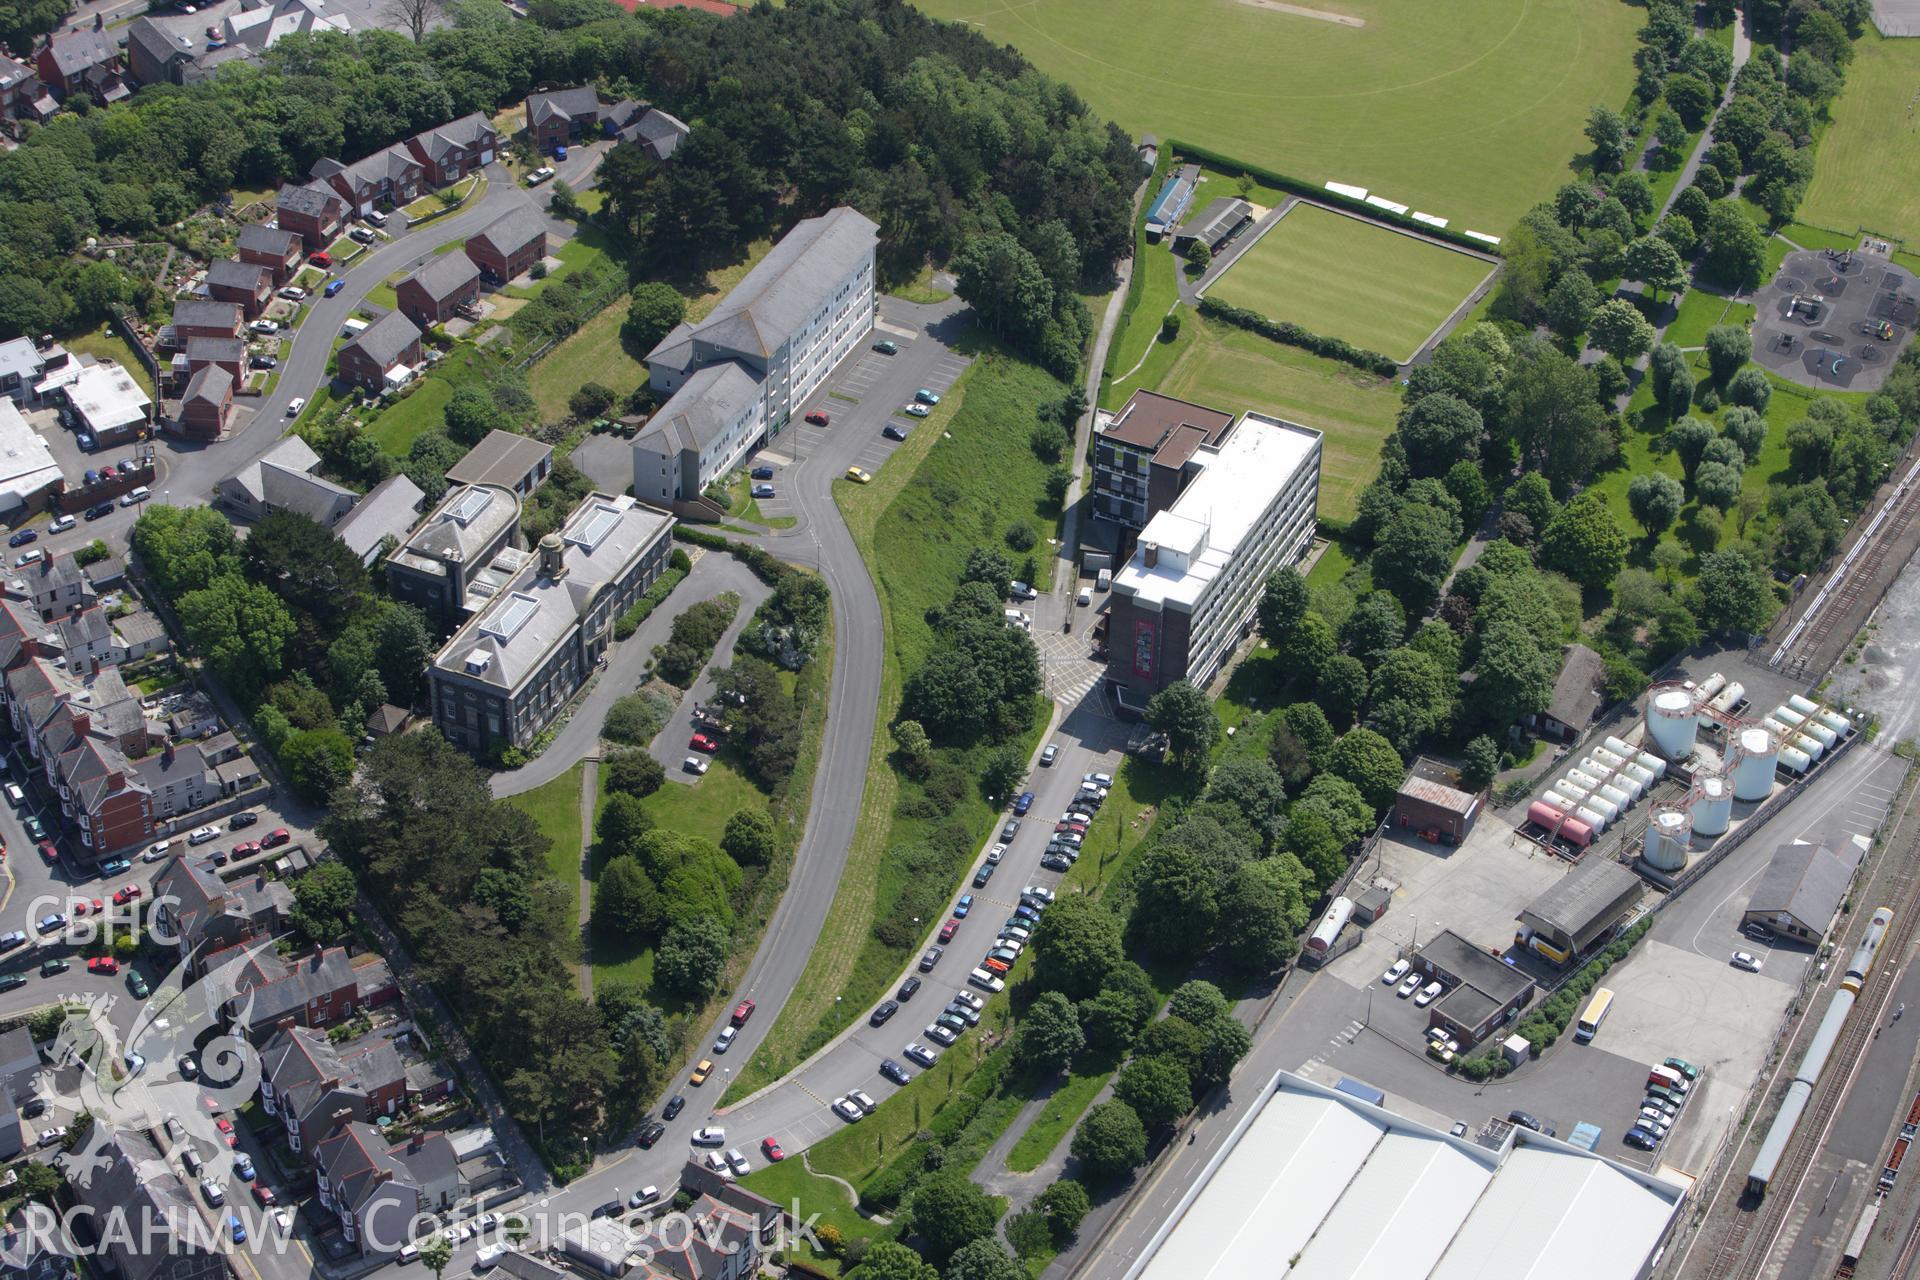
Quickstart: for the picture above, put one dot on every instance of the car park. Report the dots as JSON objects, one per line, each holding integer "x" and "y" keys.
{"x": 931, "y": 957}
{"x": 710, "y": 1136}
{"x": 893, "y": 1071}
{"x": 882, "y": 1011}
{"x": 1640, "y": 1138}
{"x": 848, "y": 1110}
{"x": 908, "y": 988}
{"x": 770, "y": 1149}
{"x": 1408, "y": 985}
{"x": 761, "y": 473}
{"x": 924, "y": 396}
{"x": 1394, "y": 974}
{"x": 916, "y": 1052}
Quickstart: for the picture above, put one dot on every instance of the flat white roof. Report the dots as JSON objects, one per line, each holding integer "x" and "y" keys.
{"x": 106, "y": 396}
{"x": 1349, "y": 1191}
{"x": 1198, "y": 536}
{"x": 26, "y": 464}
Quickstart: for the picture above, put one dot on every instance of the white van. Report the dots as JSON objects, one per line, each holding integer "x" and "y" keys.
{"x": 1104, "y": 580}
{"x": 409, "y": 1253}
{"x": 488, "y": 1255}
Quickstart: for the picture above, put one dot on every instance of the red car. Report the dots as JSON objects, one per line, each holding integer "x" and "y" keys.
{"x": 126, "y": 894}
{"x": 772, "y": 1150}
{"x": 1078, "y": 828}
{"x": 743, "y": 1011}
{"x": 225, "y": 1126}
{"x": 818, "y": 417}
{"x": 321, "y": 259}
{"x": 264, "y": 1195}
{"x": 701, "y": 742}
{"x": 275, "y": 838}
{"x": 48, "y": 852}
{"x": 948, "y": 929}
{"x": 81, "y": 906}
{"x": 103, "y": 964}
{"x": 246, "y": 849}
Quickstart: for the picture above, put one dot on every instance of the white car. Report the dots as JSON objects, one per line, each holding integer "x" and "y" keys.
{"x": 1021, "y": 591}
{"x": 33, "y": 556}
{"x": 996, "y": 853}
{"x": 1408, "y": 985}
{"x": 848, "y": 1110}
{"x": 264, "y": 326}
{"x": 942, "y": 1036}
{"x": 860, "y": 1099}
{"x": 718, "y": 1163}
{"x": 376, "y": 217}
{"x": 539, "y": 175}
{"x": 157, "y": 850}
{"x": 295, "y": 405}
{"x": 211, "y": 1190}
{"x": 1397, "y": 972}
{"x": 50, "y": 1136}
{"x": 694, "y": 764}
{"x": 200, "y": 835}
{"x": 457, "y": 1234}
{"x": 1427, "y": 993}
{"x": 1746, "y": 960}
{"x": 709, "y": 1137}
{"x": 725, "y": 1040}
{"x": 362, "y": 234}
{"x": 61, "y": 524}
{"x": 738, "y": 1163}
{"x": 1099, "y": 779}
{"x": 283, "y": 1219}
{"x": 1044, "y": 894}
{"x": 293, "y": 293}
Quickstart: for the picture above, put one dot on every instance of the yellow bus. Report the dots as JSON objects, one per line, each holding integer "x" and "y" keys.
{"x": 1596, "y": 1014}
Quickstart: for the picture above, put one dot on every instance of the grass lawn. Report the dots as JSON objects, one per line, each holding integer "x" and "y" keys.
{"x": 1867, "y": 167}
{"x": 106, "y": 344}
{"x": 1469, "y": 110}
{"x": 1700, "y": 311}
{"x": 921, "y": 288}
{"x": 592, "y": 353}
{"x": 1159, "y": 291}
{"x": 1404, "y": 288}
{"x": 1229, "y": 368}
{"x": 555, "y": 809}
{"x": 587, "y": 247}
{"x": 1061, "y": 1114}
{"x": 1819, "y": 237}
{"x": 396, "y": 428}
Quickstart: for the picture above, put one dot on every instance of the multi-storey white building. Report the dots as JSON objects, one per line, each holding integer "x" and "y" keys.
{"x": 738, "y": 375}
{"x": 1189, "y": 592}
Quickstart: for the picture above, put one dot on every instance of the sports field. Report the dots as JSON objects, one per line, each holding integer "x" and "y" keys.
{"x": 1468, "y": 109}
{"x": 1350, "y": 279}
{"x": 1867, "y": 168}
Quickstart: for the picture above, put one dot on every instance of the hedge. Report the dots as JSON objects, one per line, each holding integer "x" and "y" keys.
{"x": 765, "y": 565}
{"x": 1546, "y": 1023}
{"x": 662, "y": 586}
{"x": 1285, "y": 331}
{"x": 1371, "y": 212}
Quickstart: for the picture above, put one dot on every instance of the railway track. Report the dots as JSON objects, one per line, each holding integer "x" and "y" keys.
{"x": 1742, "y": 1251}
{"x": 1833, "y": 605}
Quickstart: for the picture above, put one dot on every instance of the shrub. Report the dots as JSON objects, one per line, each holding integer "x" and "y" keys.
{"x": 635, "y": 718}
{"x": 637, "y": 613}
{"x": 1292, "y": 335}
{"x": 695, "y": 634}
{"x": 1020, "y": 536}
{"x": 1170, "y": 326}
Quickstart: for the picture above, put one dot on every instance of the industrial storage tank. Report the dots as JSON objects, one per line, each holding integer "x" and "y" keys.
{"x": 1787, "y": 716}
{"x": 1756, "y": 751}
{"x": 1556, "y": 802}
{"x": 1330, "y": 925}
{"x": 1599, "y": 804}
{"x": 1810, "y": 747}
{"x": 1794, "y": 759}
{"x": 1672, "y": 720}
{"x": 1594, "y": 819}
{"x": 1620, "y": 748}
{"x": 1572, "y": 830}
{"x": 1728, "y": 698}
{"x": 1712, "y": 804}
{"x": 1822, "y": 733}
{"x": 1651, "y": 763}
{"x": 1805, "y": 706}
{"x": 1707, "y": 689}
{"x": 1639, "y": 773}
{"x": 1669, "y": 832}
{"x": 1621, "y": 800}
{"x": 1834, "y": 720}
{"x": 1611, "y": 759}
{"x": 1623, "y": 782}
{"x": 1584, "y": 781}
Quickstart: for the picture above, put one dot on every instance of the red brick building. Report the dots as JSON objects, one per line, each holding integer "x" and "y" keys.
{"x": 510, "y": 245}
{"x": 247, "y": 283}
{"x": 275, "y": 248}
{"x": 226, "y": 353}
{"x": 308, "y": 1082}
{"x": 436, "y": 292}
{"x": 193, "y": 318}
{"x": 380, "y": 349}
{"x": 313, "y": 212}
{"x": 389, "y": 176}
{"x": 275, "y": 992}
{"x": 86, "y": 62}
{"x": 207, "y": 404}
{"x": 455, "y": 149}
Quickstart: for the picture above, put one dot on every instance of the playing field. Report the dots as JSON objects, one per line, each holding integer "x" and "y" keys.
{"x": 1350, "y": 279}
{"x": 1867, "y": 168}
{"x": 1468, "y": 109}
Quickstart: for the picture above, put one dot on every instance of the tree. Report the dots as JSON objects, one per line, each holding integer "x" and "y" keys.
{"x": 1177, "y": 905}
{"x": 43, "y": 1182}
{"x": 1197, "y": 1001}
{"x": 1550, "y": 412}
{"x": 1717, "y": 484}
{"x": 891, "y": 1260}
{"x": 1515, "y": 675}
{"x": 589, "y": 400}
{"x": 1479, "y": 763}
{"x": 1584, "y": 542}
{"x": 1226, "y": 1042}
{"x": 691, "y": 955}
{"x": 471, "y": 413}
{"x": 1110, "y": 1141}
{"x": 1733, "y": 593}
{"x": 948, "y": 1211}
{"x": 915, "y": 748}
{"x": 1005, "y": 285}
{"x": 1736, "y": 250}
{"x": 1309, "y": 647}
{"x": 1183, "y": 713}
{"x": 1414, "y": 552}
{"x": 1002, "y": 773}
{"x": 626, "y": 900}
{"x": 1653, "y": 262}
{"x": 989, "y": 565}
{"x": 1262, "y": 907}
{"x": 1655, "y": 499}
{"x": 323, "y": 902}
{"x": 1066, "y": 1205}
{"x": 1283, "y": 603}
{"x": 1745, "y": 428}
{"x": 1619, "y": 329}
{"x": 1570, "y": 304}
{"x": 750, "y": 839}
{"x": 1370, "y": 763}
{"x": 1608, "y": 134}
{"x": 653, "y": 309}
{"x": 1342, "y": 688}
{"x": 1750, "y": 388}
{"x": 1199, "y": 254}
{"x": 1437, "y": 431}
{"x": 317, "y": 762}
{"x": 634, "y": 773}
{"x": 623, "y": 821}
{"x": 1692, "y": 97}
{"x": 1156, "y": 1088}
{"x": 23, "y": 22}
{"x": 435, "y": 1254}
{"x": 1728, "y": 347}
{"x": 986, "y": 1260}
{"x": 1050, "y": 1036}
{"x": 1251, "y": 787}
{"x": 1077, "y": 947}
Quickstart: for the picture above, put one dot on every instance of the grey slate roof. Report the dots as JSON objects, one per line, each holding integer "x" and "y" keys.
{"x": 292, "y": 454}
{"x": 703, "y": 407}
{"x": 210, "y": 382}
{"x": 563, "y": 104}
{"x": 13, "y": 73}
{"x": 1217, "y": 218}
{"x": 1580, "y": 688}
{"x": 660, "y": 133}
{"x": 776, "y": 297}
{"x": 157, "y": 43}
{"x": 501, "y": 458}
{"x": 388, "y": 509}
{"x": 1575, "y": 901}
{"x": 224, "y": 350}
{"x": 455, "y": 135}
{"x": 384, "y": 339}
{"x": 232, "y": 273}
{"x": 389, "y": 163}
{"x": 261, "y": 238}
{"x": 312, "y": 198}
{"x": 445, "y": 536}
{"x": 75, "y": 51}
{"x": 513, "y": 231}
{"x": 1805, "y": 881}
{"x": 446, "y": 275}
{"x": 197, "y": 311}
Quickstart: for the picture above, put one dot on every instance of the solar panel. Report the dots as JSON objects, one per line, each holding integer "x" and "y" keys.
{"x": 511, "y": 616}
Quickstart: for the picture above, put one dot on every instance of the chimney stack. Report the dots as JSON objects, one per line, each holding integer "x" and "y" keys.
{"x": 1150, "y": 553}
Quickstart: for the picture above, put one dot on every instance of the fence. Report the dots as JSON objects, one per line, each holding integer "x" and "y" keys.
{"x": 123, "y": 321}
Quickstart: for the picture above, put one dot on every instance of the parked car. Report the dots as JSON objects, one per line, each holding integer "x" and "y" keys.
{"x": 1427, "y": 994}
{"x": 884, "y": 1010}
{"x": 1049, "y": 755}
{"x": 906, "y": 992}
{"x": 737, "y": 1163}
{"x": 724, "y": 1041}
{"x": 860, "y": 1099}
{"x": 333, "y": 287}
{"x": 701, "y": 742}
{"x": 894, "y": 431}
{"x": 701, "y": 1071}
{"x": 894, "y": 1071}
{"x": 1408, "y": 985}
{"x": 675, "y": 1105}
{"x": 61, "y": 524}
{"x": 916, "y": 410}
{"x": 1008, "y": 830}
{"x": 859, "y": 475}
{"x": 1684, "y": 1067}
{"x": 772, "y": 1150}
{"x": 200, "y": 835}
{"x": 138, "y": 985}
{"x": 321, "y": 258}
{"x": 11, "y": 939}
{"x": 376, "y": 217}
{"x": 293, "y": 293}
{"x": 275, "y": 838}
{"x": 818, "y": 418}
{"x": 984, "y": 874}
{"x": 924, "y": 396}
{"x": 212, "y": 1191}
{"x": 49, "y": 968}
{"x": 127, "y": 893}
{"x": 887, "y": 348}
{"x": 539, "y": 175}
{"x": 743, "y": 1011}
{"x": 652, "y": 1134}
{"x": 134, "y": 497}
{"x": 1019, "y": 590}
{"x": 762, "y": 473}
{"x": 848, "y": 1110}
{"x": 1022, "y": 803}
{"x": 948, "y": 929}
{"x": 363, "y": 235}
{"x": 23, "y": 537}
{"x": 99, "y": 509}
{"x": 1746, "y": 960}
{"x": 244, "y": 819}
{"x": 694, "y": 764}
{"x": 996, "y": 852}
{"x": 941, "y": 1035}
{"x": 710, "y": 1136}
{"x": 1056, "y": 862}
{"x": 263, "y": 326}
{"x": 295, "y": 405}
{"x": 1640, "y": 1138}
{"x": 919, "y": 1053}
{"x": 1394, "y": 974}
{"x": 931, "y": 957}
{"x": 9, "y": 981}
{"x": 963, "y": 906}
{"x": 29, "y": 557}
{"x": 106, "y": 965}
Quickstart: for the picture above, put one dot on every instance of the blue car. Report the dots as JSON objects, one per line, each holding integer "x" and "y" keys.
{"x": 236, "y": 1229}
{"x": 925, "y": 396}
{"x": 119, "y": 866}
{"x": 559, "y": 153}
{"x": 23, "y": 537}
{"x": 1024, "y": 803}
{"x": 333, "y": 287}
{"x": 963, "y": 906}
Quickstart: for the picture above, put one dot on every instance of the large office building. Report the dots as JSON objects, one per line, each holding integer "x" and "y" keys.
{"x": 510, "y": 669}
{"x": 1189, "y": 591}
{"x": 738, "y": 375}
{"x": 1144, "y": 456}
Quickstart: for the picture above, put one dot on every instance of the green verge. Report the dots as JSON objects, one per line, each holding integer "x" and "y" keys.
{"x": 1867, "y": 168}
{"x": 1062, "y": 1112}
{"x": 555, "y": 809}
{"x": 961, "y": 477}
{"x": 1700, "y": 311}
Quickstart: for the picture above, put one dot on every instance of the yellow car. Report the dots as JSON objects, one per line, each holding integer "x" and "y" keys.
{"x": 859, "y": 475}
{"x": 701, "y": 1072}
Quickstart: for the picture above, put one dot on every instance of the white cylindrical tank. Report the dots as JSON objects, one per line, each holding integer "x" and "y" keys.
{"x": 1592, "y": 817}
{"x": 1602, "y": 806}
{"x": 1621, "y": 800}
{"x": 1620, "y": 748}
{"x": 1808, "y": 746}
{"x": 1805, "y": 706}
{"x": 1563, "y": 803}
{"x": 1756, "y": 753}
{"x": 1834, "y": 721}
{"x": 1712, "y": 805}
{"x": 1585, "y": 781}
{"x": 1819, "y": 732}
{"x": 1625, "y": 783}
{"x": 1639, "y": 773}
{"x": 1668, "y": 834}
{"x": 1575, "y": 796}
{"x": 1787, "y": 716}
{"x": 1611, "y": 759}
{"x": 1672, "y": 721}
{"x": 1651, "y": 763}
{"x": 1729, "y": 698}
{"x": 1330, "y": 925}
{"x": 1710, "y": 687}
{"x": 1794, "y": 759}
